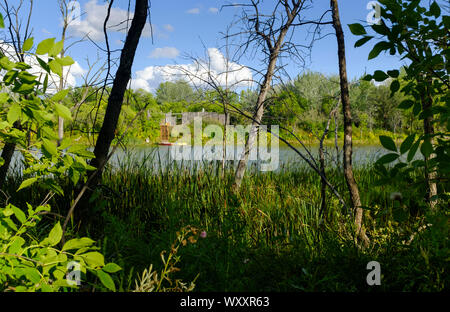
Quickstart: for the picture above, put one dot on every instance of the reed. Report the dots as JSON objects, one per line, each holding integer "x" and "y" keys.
{"x": 270, "y": 237}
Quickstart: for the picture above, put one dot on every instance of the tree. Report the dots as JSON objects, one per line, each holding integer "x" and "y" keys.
{"x": 17, "y": 37}
{"x": 116, "y": 98}
{"x": 269, "y": 33}
{"x": 171, "y": 92}
{"x": 419, "y": 34}
{"x": 348, "y": 124}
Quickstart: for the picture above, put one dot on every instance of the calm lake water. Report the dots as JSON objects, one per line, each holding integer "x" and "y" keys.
{"x": 163, "y": 156}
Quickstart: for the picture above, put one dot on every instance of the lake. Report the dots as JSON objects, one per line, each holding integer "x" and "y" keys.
{"x": 188, "y": 157}
{"x": 162, "y": 156}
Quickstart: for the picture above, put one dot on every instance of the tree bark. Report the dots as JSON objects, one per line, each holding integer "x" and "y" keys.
{"x": 7, "y": 154}
{"x": 428, "y": 129}
{"x": 348, "y": 168}
{"x": 274, "y": 48}
{"x": 123, "y": 75}
{"x": 115, "y": 100}
{"x": 257, "y": 117}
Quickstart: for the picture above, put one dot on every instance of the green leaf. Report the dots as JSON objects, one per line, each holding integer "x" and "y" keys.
{"x": 426, "y": 149}
{"x": 54, "y": 237}
{"x": 380, "y": 46}
{"x": 61, "y": 95}
{"x": 395, "y": 86}
{"x": 49, "y": 147}
{"x": 20, "y": 215}
{"x": 388, "y": 158}
{"x": 380, "y": 75}
{"x": 56, "y": 49}
{"x": 5, "y": 63}
{"x": 27, "y": 183}
{"x": 48, "y": 133}
{"x": 45, "y": 46}
{"x": 27, "y": 77}
{"x": 45, "y": 83}
{"x": 16, "y": 245}
{"x": 2, "y": 22}
{"x": 412, "y": 151}
{"x": 106, "y": 280}
{"x": 357, "y": 29}
{"x": 78, "y": 243}
{"x": 407, "y": 143}
{"x": 66, "y": 61}
{"x": 435, "y": 9}
{"x": 32, "y": 274}
{"x": 14, "y": 113}
{"x": 22, "y": 66}
{"x": 381, "y": 29}
{"x": 80, "y": 150}
{"x": 24, "y": 88}
{"x": 94, "y": 259}
{"x": 406, "y": 104}
{"x": 43, "y": 64}
{"x": 111, "y": 268}
{"x": 63, "y": 111}
{"x": 393, "y": 73}
{"x": 55, "y": 67}
{"x": 388, "y": 143}
{"x": 362, "y": 41}
{"x": 28, "y": 44}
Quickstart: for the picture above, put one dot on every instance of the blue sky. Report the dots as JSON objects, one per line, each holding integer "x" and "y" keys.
{"x": 181, "y": 27}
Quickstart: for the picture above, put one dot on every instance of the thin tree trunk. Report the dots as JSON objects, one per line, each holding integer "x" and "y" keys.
{"x": 348, "y": 169}
{"x": 7, "y": 154}
{"x": 336, "y": 129}
{"x": 115, "y": 100}
{"x": 428, "y": 130}
{"x": 274, "y": 41}
{"x": 257, "y": 117}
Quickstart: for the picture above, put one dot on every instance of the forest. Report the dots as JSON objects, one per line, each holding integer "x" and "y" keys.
{"x": 90, "y": 200}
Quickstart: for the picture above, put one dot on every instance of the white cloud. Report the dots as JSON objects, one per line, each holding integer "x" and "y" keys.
{"x": 166, "y": 52}
{"x": 193, "y": 11}
{"x": 213, "y": 10}
{"x": 151, "y": 77}
{"x": 91, "y": 23}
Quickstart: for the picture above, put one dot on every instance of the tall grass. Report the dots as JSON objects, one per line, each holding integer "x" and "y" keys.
{"x": 270, "y": 237}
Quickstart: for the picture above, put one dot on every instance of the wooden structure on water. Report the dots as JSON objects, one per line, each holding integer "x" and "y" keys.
{"x": 172, "y": 119}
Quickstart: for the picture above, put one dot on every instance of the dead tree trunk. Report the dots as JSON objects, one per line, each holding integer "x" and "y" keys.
{"x": 257, "y": 118}
{"x": 273, "y": 40}
{"x": 348, "y": 168}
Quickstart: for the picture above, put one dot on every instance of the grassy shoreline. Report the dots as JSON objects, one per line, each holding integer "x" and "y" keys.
{"x": 268, "y": 238}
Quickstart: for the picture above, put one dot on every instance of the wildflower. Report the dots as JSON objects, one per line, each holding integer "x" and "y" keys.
{"x": 246, "y": 261}
{"x": 203, "y": 234}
